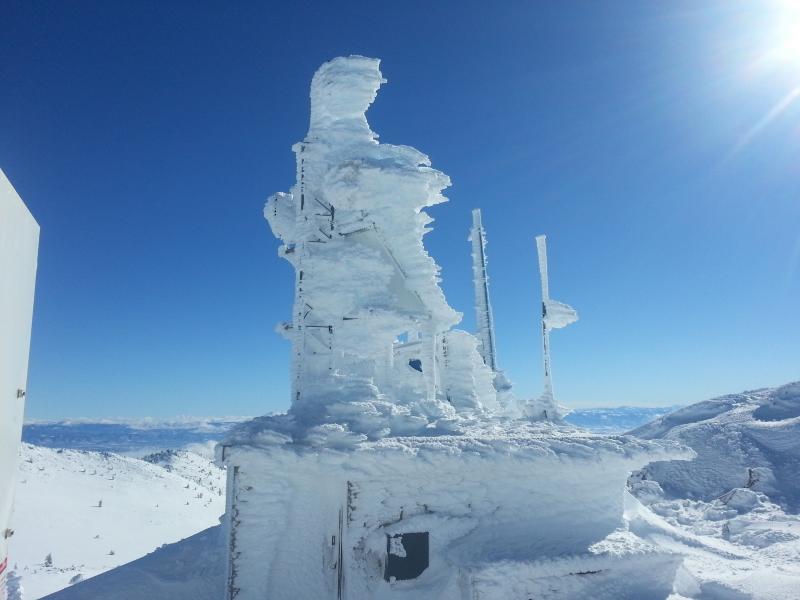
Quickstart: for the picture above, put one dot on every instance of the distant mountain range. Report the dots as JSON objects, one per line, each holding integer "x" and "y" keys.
{"x": 128, "y": 436}
{"x": 616, "y": 420}
{"x": 141, "y": 436}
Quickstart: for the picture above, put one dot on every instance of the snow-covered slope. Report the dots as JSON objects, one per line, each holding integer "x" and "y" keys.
{"x": 722, "y": 509}
{"x": 92, "y": 511}
{"x": 748, "y": 440}
{"x": 187, "y": 570}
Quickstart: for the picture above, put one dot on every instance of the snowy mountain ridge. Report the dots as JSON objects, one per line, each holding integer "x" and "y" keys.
{"x": 140, "y": 436}
{"x": 128, "y": 436}
{"x": 746, "y": 440}
{"x": 179, "y": 422}
{"x": 732, "y": 510}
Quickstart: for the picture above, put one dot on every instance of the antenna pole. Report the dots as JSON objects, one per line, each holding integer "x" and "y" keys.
{"x": 483, "y": 308}
{"x": 541, "y": 248}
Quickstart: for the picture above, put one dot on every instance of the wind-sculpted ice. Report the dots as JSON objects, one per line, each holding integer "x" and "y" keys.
{"x": 373, "y": 347}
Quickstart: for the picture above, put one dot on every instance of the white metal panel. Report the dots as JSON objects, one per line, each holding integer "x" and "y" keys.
{"x": 19, "y": 244}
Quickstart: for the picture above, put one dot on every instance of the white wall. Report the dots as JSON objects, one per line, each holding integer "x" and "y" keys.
{"x": 19, "y": 244}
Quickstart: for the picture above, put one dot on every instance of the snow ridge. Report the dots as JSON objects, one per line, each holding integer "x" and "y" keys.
{"x": 747, "y": 440}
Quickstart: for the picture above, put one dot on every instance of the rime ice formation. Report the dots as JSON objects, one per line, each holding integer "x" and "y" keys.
{"x": 398, "y": 471}
{"x": 480, "y": 278}
{"x": 484, "y": 318}
{"x": 555, "y": 315}
{"x": 372, "y": 341}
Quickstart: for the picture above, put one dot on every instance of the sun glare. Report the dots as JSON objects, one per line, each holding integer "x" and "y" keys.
{"x": 779, "y": 57}
{"x": 784, "y": 42}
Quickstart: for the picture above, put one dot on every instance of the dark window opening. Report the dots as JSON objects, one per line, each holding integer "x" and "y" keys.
{"x": 407, "y": 555}
{"x": 415, "y": 364}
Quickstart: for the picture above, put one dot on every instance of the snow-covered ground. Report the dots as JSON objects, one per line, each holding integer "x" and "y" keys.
{"x": 93, "y": 511}
{"x": 733, "y": 510}
{"x": 751, "y": 439}
{"x": 723, "y": 511}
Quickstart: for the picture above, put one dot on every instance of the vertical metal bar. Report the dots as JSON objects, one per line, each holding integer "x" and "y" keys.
{"x": 483, "y": 306}
{"x": 541, "y": 248}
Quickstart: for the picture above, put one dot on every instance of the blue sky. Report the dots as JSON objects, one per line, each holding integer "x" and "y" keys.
{"x": 146, "y": 136}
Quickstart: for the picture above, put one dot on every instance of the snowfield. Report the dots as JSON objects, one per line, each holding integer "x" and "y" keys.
{"x": 93, "y": 511}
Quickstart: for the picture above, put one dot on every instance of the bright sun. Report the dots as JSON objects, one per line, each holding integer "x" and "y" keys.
{"x": 778, "y": 54}
{"x": 784, "y": 41}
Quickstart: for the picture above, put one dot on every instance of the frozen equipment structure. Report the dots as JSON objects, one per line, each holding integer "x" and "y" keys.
{"x": 399, "y": 471}
{"x": 372, "y": 341}
{"x": 19, "y": 245}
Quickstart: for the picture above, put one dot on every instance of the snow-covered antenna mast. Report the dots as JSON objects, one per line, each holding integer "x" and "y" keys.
{"x": 541, "y": 249}
{"x": 554, "y": 316}
{"x": 483, "y": 308}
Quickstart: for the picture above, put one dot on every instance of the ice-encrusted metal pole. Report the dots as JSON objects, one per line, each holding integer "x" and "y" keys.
{"x": 483, "y": 308}
{"x": 541, "y": 248}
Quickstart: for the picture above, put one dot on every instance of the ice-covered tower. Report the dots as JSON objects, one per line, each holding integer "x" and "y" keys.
{"x": 352, "y": 227}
